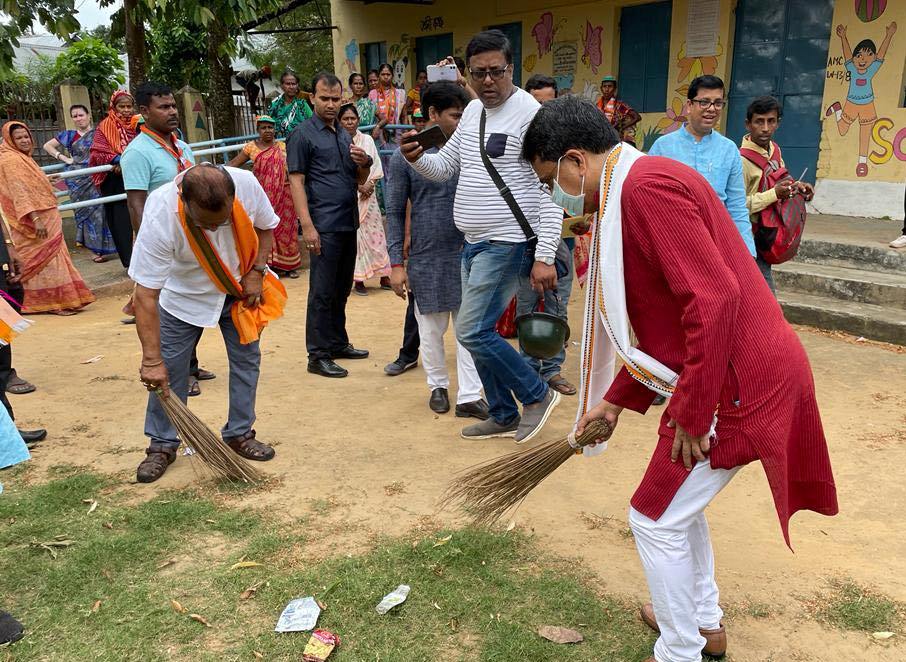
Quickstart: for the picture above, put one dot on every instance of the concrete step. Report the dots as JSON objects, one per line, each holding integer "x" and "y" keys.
{"x": 859, "y": 319}
{"x": 868, "y": 256}
{"x": 887, "y": 289}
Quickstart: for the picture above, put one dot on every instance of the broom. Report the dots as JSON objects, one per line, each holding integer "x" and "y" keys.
{"x": 214, "y": 454}
{"x": 490, "y": 489}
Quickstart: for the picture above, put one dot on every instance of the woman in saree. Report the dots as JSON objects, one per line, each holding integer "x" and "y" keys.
{"x": 366, "y": 107}
{"x": 91, "y": 231}
{"x": 372, "y": 258}
{"x": 50, "y": 280}
{"x": 111, "y": 137}
{"x": 289, "y": 109}
{"x": 391, "y": 105}
{"x": 268, "y": 157}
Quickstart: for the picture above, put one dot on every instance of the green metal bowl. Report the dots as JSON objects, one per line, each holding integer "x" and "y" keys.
{"x": 542, "y": 335}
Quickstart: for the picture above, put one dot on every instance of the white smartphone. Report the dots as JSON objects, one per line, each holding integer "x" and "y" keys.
{"x": 442, "y": 72}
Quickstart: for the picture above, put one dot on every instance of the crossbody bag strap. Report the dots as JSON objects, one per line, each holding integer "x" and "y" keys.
{"x": 502, "y": 188}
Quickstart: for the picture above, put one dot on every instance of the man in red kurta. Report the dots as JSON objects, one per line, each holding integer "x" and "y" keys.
{"x": 668, "y": 260}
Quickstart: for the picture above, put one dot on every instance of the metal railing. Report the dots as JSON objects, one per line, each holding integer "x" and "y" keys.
{"x": 213, "y": 147}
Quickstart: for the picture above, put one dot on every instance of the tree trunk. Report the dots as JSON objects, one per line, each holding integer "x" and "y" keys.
{"x": 220, "y": 99}
{"x": 136, "y": 46}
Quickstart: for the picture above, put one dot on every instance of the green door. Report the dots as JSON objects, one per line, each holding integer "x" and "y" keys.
{"x": 513, "y": 32}
{"x": 433, "y": 49}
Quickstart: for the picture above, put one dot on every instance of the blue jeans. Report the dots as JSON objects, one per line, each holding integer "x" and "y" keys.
{"x": 492, "y": 272}
{"x": 555, "y": 303}
{"x": 177, "y": 344}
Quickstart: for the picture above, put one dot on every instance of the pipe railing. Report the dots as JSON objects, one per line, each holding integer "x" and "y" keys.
{"x": 69, "y": 206}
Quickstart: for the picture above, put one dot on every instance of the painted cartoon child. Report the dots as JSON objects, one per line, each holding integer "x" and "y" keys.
{"x": 862, "y": 63}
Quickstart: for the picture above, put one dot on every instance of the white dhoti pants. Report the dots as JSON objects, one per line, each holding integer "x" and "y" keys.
{"x": 431, "y": 330}
{"x": 679, "y": 565}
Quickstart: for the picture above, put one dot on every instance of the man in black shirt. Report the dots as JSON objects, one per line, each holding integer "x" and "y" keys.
{"x": 325, "y": 170}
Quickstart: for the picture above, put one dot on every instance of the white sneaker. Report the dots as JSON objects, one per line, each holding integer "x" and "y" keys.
{"x": 899, "y": 242}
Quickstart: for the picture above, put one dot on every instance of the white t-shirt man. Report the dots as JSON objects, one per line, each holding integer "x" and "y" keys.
{"x": 162, "y": 258}
{"x": 480, "y": 212}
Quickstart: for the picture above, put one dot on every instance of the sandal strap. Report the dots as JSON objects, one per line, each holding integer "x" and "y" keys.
{"x": 155, "y": 449}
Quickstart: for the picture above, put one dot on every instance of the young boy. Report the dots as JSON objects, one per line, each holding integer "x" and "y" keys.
{"x": 432, "y": 274}
{"x": 762, "y": 121}
{"x": 862, "y": 64}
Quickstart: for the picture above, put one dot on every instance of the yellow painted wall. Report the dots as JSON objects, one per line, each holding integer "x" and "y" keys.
{"x": 887, "y": 146}
{"x": 399, "y": 25}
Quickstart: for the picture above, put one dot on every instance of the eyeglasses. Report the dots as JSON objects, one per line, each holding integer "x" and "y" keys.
{"x": 479, "y": 75}
{"x": 704, "y": 104}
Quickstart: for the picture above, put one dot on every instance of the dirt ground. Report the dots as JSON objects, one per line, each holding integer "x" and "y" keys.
{"x": 347, "y": 440}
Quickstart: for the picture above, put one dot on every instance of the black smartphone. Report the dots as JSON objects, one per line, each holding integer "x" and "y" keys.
{"x": 430, "y": 137}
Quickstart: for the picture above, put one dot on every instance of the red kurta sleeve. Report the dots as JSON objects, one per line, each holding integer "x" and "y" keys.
{"x": 629, "y": 393}
{"x": 695, "y": 272}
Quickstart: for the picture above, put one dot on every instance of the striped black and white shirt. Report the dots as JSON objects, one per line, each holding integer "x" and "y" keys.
{"x": 479, "y": 210}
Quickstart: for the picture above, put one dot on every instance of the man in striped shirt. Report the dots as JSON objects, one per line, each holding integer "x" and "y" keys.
{"x": 497, "y": 255}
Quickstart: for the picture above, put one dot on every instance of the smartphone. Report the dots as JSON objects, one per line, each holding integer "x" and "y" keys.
{"x": 431, "y": 137}
{"x": 442, "y": 72}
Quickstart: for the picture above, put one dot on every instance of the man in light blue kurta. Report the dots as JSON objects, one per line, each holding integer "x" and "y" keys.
{"x": 714, "y": 156}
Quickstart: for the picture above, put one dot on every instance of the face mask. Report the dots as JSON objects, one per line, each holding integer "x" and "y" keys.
{"x": 574, "y": 205}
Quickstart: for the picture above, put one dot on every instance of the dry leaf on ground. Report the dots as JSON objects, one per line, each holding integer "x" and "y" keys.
{"x": 166, "y": 563}
{"x": 178, "y": 608}
{"x": 245, "y": 564}
{"x": 560, "y": 635}
{"x": 882, "y": 635}
{"x": 443, "y": 541}
{"x": 201, "y": 619}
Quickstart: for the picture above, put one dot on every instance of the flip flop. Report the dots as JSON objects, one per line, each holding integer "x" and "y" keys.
{"x": 128, "y": 320}
{"x": 194, "y": 388}
{"x": 559, "y": 384}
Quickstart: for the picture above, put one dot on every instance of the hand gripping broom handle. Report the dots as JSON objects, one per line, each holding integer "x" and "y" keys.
{"x": 596, "y": 430}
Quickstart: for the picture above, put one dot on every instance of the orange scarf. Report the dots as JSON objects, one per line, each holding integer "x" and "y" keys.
{"x": 387, "y": 103}
{"x": 171, "y": 146}
{"x": 117, "y": 132}
{"x": 249, "y": 321}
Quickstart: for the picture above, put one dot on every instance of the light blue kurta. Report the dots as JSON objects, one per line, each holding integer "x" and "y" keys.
{"x": 12, "y": 448}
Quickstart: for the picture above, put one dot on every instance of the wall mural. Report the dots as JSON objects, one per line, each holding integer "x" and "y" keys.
{"x": 688, "y": 68}
{"x": 869, "y": 10}
{"x": 565, "y": 60}
{"x": 544, "y": 30}
{"x": 352, "y": 56}
{"x": 398, "y": 55}
{"x": 591, "y": 46}
{"x": 429, "y": 23}
{"x": 861, "y": 64}
{"x": 529, "y": 63}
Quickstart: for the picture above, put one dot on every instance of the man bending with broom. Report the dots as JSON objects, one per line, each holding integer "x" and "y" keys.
{"x": 201, "y": 261}
{"x": 667, "y": 260}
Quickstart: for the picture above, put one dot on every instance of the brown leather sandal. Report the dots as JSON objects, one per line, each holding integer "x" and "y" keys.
{"x": 250, "y": 448}
{"x": 157, "y": 459}
{"x": 560, "y": 384}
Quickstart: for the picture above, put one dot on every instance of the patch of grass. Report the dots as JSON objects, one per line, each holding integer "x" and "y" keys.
{"x": 476, "y": 595}
{"x": 855, "y": 607}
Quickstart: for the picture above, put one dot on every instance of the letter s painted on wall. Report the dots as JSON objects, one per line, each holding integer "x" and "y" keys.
{"x": 880, "y": 157}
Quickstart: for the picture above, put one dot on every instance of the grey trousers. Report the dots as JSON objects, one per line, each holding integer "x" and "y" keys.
{"x": 177, "y": 341}
{"x": 555, "y": 303}
{"x": 765, "y": 268}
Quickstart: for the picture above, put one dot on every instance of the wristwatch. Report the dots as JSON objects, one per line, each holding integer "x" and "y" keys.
{"x": 546, "y": 260}
{"x": 262, "y": 269}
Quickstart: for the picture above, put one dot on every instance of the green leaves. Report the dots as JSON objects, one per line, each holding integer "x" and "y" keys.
{"x": 57, "y": 17}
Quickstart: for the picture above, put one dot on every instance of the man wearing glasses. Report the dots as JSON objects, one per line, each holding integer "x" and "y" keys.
{"x": 511, "y": 228}
{"x": 714, "y": 156}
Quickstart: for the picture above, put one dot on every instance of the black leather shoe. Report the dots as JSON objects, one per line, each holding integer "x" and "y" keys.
{"x": 326, "y": 368}
{"x": 33, "y": 436}
{"x": 477, "y": 409}
{"x": 439, "y": 401}
{"x": 350, "y": 352}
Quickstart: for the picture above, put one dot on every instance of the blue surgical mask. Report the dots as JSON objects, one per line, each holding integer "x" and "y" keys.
{"x": 574, "y": 205}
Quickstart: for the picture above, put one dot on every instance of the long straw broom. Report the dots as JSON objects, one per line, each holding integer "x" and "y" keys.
{"x": 218, "y": 458}
{"x": 489, "y": 490}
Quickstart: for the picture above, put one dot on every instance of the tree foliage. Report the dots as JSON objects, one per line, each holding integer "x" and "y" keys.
{"x": 178, "y": 52}
{"x": 94, "y": 64}
{"x": 57, "y": 17}
{"x": 306, "y": 53}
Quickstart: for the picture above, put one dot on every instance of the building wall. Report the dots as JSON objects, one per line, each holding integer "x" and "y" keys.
{"x": 593, "y": 28}
{"x": 880, "y": 192}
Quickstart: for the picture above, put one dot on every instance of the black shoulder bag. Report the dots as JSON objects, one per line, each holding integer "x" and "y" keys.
{"x": 503, "y": 189}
